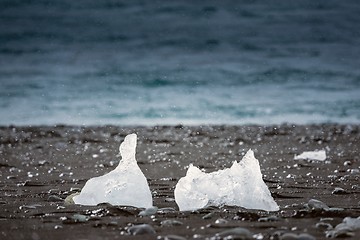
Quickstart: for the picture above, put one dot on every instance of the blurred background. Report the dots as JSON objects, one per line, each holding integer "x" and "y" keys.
{"x": 179, "y": 62}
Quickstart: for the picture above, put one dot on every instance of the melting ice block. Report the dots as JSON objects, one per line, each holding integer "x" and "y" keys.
{"x": 312, "y": 155}
{"x": 240, "y": 185}
{"x": 125, "y": 185}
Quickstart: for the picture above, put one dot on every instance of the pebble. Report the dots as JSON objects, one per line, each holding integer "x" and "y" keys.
{"x": 76, "y": 218}
{"x": 80, "y": 218}
{"x": 169, "y": 199}
{"x": 58, "y": 227}
{"x": 32, "y": 206}
{"x": 208, "y": 216}
{"x": 354, "y": 171}
{"x": 293, "y": 236}
{"x": 166, "y": 210}
{"x": 54, "y": 190}
{"x": 55, "y": 198}
{"x": 340, "y": 233}
{"x": 174, "y": 237}
{"x": 345, "y": 229}
{"x": 148, "y": 211}
{"x": 198, "y": 236}
{"x": 141, "y": 229}
{"x": 42, "y": 162}
{"x": 29, "y": 183}
{"x": 221, "y": 221}
{"x": 314, "y": 204}
{"x": 269, "y": 219}
{"x": 170, "y": 223}
{"x": 74, "y": 189}
{"x": 324, "y": 225}
{"x": 347, "y": 163}
{"x": 236, "y": 233}
{"x": 339, "y": 191}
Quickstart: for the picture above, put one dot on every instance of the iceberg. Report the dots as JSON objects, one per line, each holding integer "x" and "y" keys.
{"x": 125, "y": 185}
{"x": 312, "y": 155}
{"x": 240, "y": 185}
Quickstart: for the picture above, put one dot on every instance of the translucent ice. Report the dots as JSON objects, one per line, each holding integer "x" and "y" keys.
{"x": 312, "y": 155}
{"x": 125, "y": 185}
{"x": 240, "y": 185}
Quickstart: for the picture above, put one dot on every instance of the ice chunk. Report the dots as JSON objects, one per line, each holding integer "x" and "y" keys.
{"x": 240, "y": 185}
{"x": 319, "y": 155}
{"x": 125, "y": 185}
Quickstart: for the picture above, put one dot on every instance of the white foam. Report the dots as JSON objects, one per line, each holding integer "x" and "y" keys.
{"x": 125, "y": 185}
{"x": 319, "y": 155}
{"x": 240, "y": 185}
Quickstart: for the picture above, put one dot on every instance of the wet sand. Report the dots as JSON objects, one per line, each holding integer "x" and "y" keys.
{"x": 41, "y": 166}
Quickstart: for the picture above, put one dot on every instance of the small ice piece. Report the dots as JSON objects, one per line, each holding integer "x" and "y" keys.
{"x": 125, "y": 185}
{"x": 319, "y": 155}
{"x": 240, "y": 185}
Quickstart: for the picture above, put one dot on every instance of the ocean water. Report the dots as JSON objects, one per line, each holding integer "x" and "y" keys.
{"x": 179, "y": 62}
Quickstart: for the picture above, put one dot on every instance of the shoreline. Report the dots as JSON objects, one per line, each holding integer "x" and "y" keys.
{"x": 178, "y": 125}
{"x": 43, "y": 163}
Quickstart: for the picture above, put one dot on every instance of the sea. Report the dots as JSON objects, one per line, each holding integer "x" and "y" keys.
{"x": 167, "y": 62}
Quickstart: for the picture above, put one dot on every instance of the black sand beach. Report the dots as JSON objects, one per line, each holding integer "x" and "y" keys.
{"x": 41, "y": 166}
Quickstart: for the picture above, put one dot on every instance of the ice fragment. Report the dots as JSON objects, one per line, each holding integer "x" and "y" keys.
{"x": 125, "y": 185}
{"x": 312, "y": 155}
{"x": 240, "y": 185}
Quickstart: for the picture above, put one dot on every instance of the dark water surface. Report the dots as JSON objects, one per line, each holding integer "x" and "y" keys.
{"x": 170, "y": 62}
